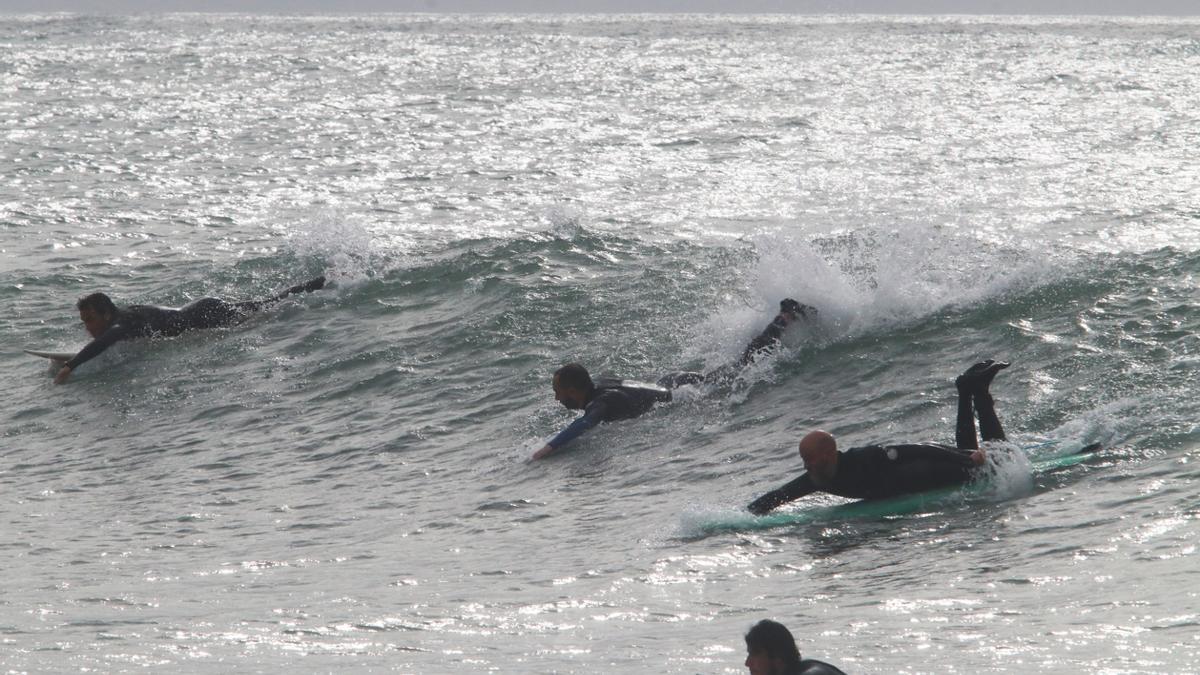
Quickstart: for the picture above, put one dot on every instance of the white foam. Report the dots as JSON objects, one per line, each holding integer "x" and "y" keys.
{"x": 695, "y": 520}
{"x": 1007, "y": 473}
{"x": 344, "y": 244}
{"x": 865, "y": 281}
{"x": 1104, "y": 424}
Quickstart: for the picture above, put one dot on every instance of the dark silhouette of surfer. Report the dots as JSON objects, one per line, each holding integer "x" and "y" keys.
{"x": 771, "y": 650}
{"x": 108, "y": 324}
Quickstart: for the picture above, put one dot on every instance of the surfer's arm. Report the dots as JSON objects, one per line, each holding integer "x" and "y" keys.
{"x": 93, "y": 349}
{"x": 593, "y": 416}
{"x": 792, "y": 491}
{"x": 575, "y": 430}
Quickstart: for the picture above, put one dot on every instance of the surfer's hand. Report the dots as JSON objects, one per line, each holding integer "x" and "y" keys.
{"x": 62, "y": 375}
{"x": 546, "y": 450}
{"x": 978, "y": 457}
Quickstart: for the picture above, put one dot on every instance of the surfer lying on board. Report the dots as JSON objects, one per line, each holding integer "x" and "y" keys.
{"x": 603, "y": 400}
{"x": 881, "y": 471}
{"x": 108, "y": 325}
{"x": 771, "y": 650}
{"x": 607, "y": 400}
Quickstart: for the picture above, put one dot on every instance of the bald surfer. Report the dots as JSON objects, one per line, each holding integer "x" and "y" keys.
{"x": 108, "y": 324}
{"x": 881, "y": 471}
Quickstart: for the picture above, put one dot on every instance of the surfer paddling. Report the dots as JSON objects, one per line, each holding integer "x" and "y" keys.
{"x": 790, "y": 311}
{"x": 881, "y": 471}
{"x": 765, "y": 344}
{"x": 771, "y": 650}
{"x": 607, "y": 400}
{"x": 108, "y": 324}
{"x": 603, "y": 400}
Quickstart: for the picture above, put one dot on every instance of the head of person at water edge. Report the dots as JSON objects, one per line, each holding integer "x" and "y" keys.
{"x": 818, "y": 451}
{"x": 573, "y": 386}
{"x": 97, "y": 313}
{"x": 771, "y": 649}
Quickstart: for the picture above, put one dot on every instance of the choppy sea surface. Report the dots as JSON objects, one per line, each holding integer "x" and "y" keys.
{"x": 341, "y": 484}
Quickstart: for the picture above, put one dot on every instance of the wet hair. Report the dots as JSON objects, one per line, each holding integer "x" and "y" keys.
{"x": 775, "y": 641}
{"x": 791, "y": 306}
{"x": 97, "y": 302}
{"x": 574, "y": 376}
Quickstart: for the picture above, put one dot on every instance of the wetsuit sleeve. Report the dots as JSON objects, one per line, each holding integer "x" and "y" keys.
{"x": 932, "y": 453}
{"x": 591, "y": 417}
{"x": 108, "y": 338}
{"x": 794, "y": 490}
{"x": 573, "y": 431}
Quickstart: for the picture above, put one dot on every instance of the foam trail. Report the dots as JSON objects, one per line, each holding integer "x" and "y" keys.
{"x": 1007, "y": 473}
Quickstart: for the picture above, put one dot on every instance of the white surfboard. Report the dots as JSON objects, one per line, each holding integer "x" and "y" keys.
{"x": 53, "y": 356}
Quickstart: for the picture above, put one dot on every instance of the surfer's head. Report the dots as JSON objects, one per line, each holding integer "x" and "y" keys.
{"x": 791, "y": 310}
{"x": 573, "y": 386}
{"x": 818, "y": 451}
{"x": 771, "y": 649}
{"x": 97, "y": 312}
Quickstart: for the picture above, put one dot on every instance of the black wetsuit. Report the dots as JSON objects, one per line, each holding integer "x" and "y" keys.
{"x": 137, "y": 321}
{"x": 765, "y": 343}
{"x": 612, "y": 400}
{"x": 815, "y": 667}
{"x": 882, "y": 471}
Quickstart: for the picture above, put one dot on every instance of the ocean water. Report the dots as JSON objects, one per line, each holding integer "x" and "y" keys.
{"x": 341, "y": 484}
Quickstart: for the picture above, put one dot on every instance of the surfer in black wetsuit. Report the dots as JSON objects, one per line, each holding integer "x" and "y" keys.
{"x": 771, "y": 650}
{"x": 601, "y": 400}
{"x": 767, "y": 341}
{"x": 790, "y": 311}
{"x": 881, "y": 471}
{"x": 608, "y": 400}
{"x": 108, "y": 325}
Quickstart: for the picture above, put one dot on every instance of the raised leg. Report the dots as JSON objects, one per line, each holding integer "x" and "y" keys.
{"x": 964, "y": 428}
{"x": 989, "y": 423}
{"x": 973, "y": 387}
